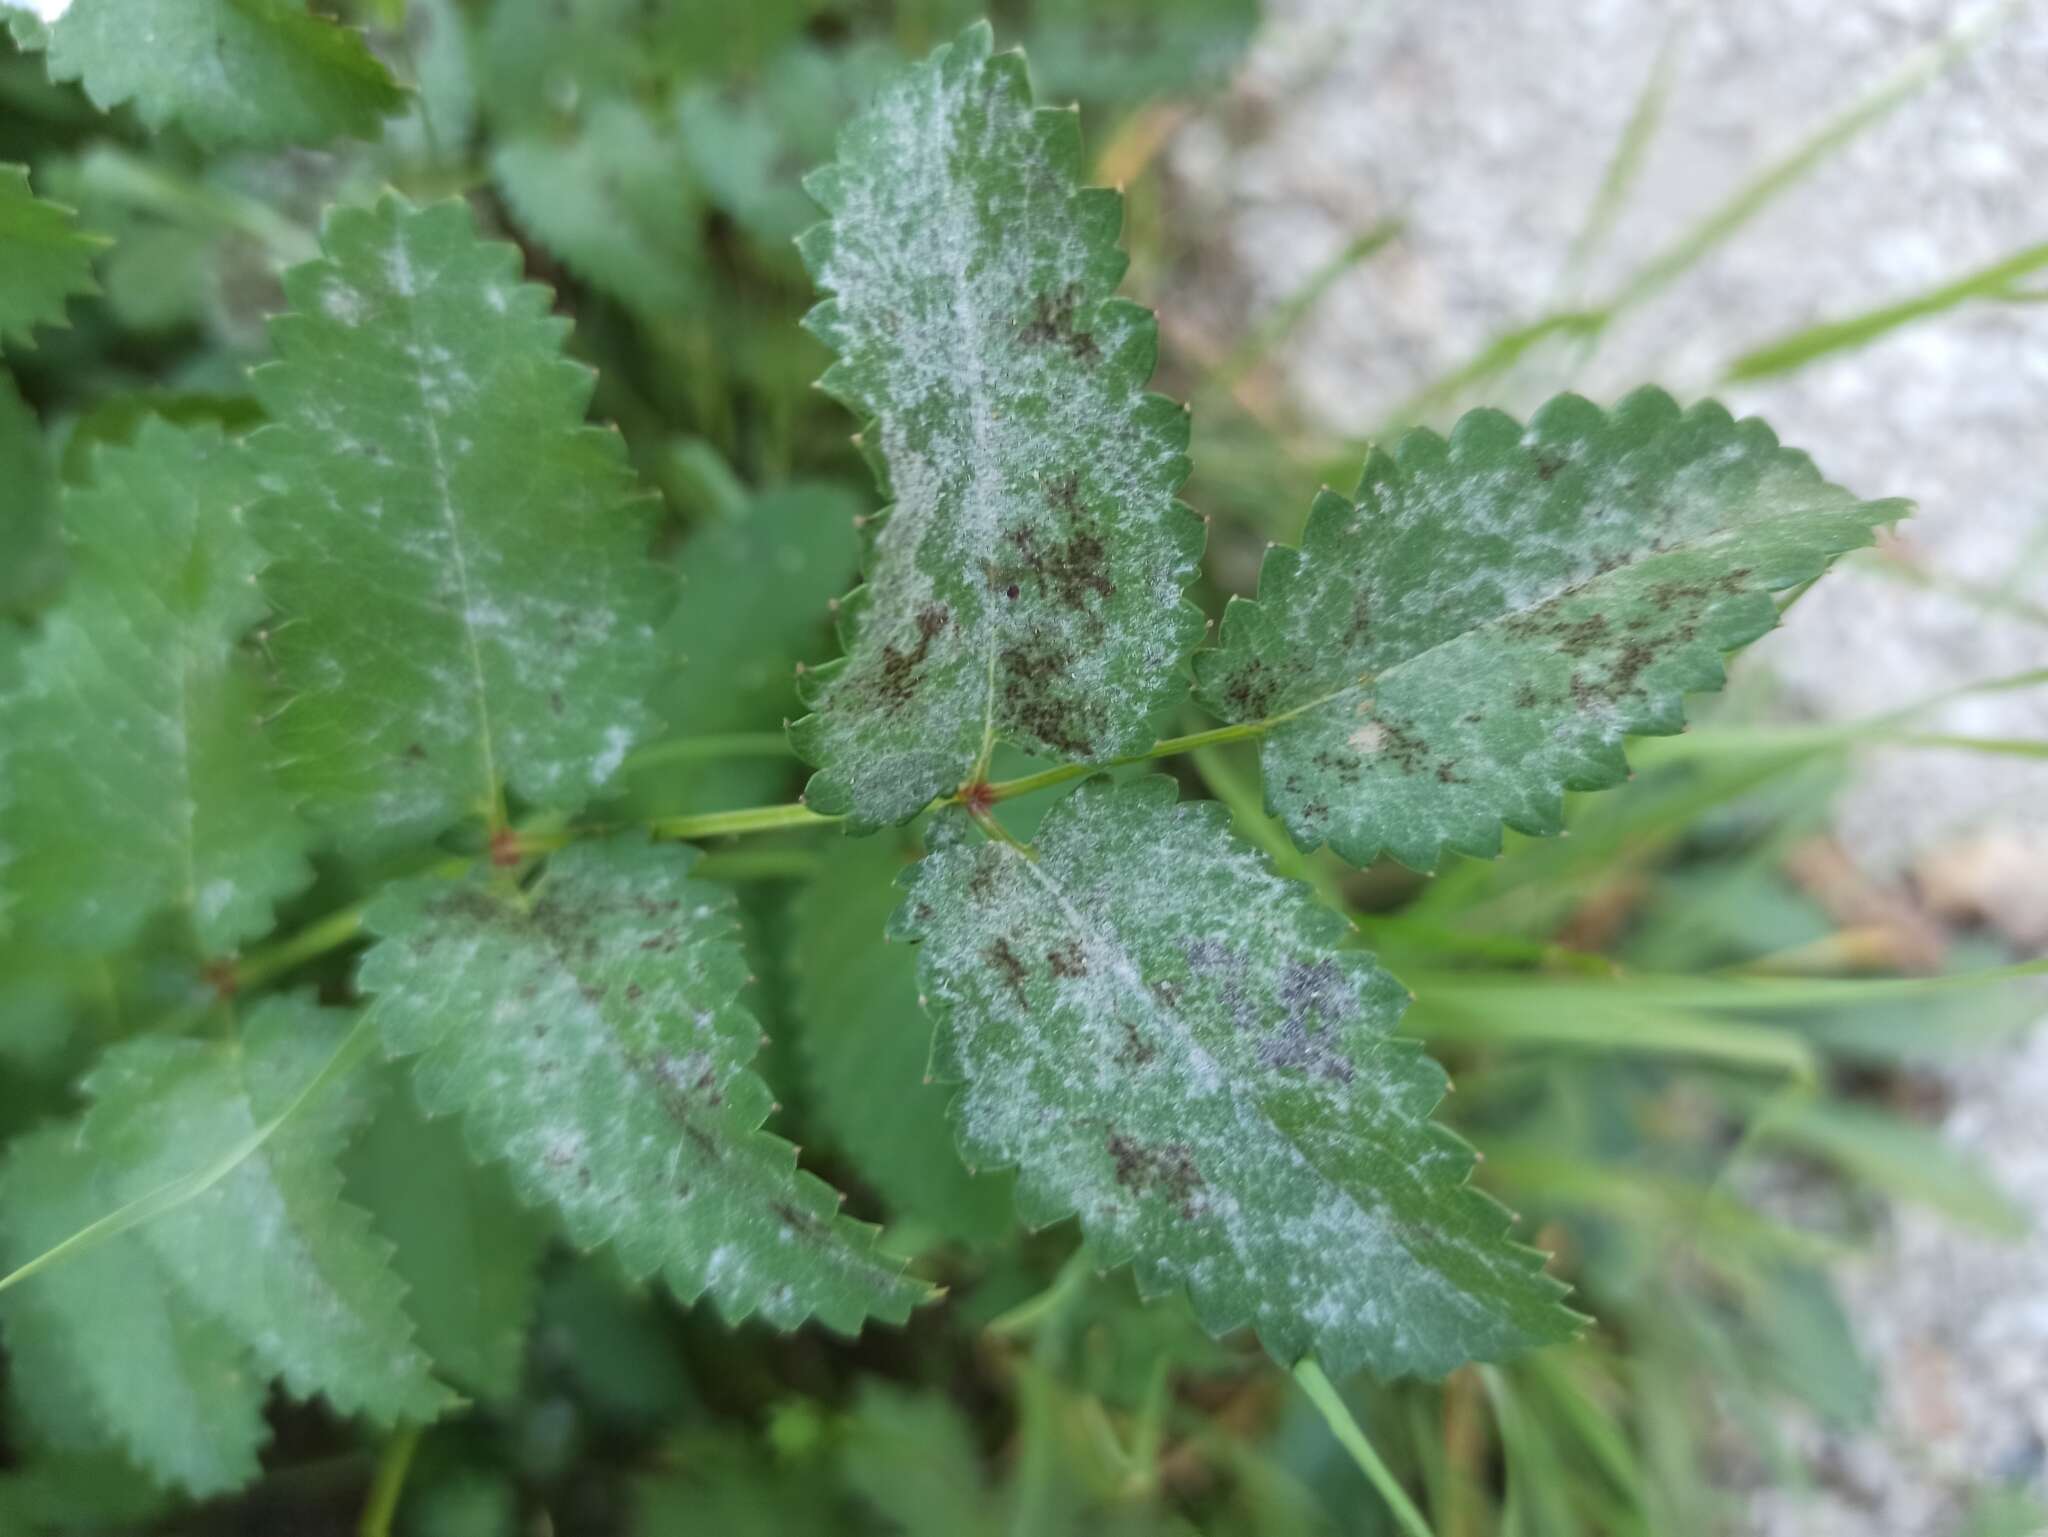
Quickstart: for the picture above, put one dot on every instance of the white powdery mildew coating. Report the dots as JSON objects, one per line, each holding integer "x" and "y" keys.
{"x": 1158, "y": 1032}
{"x": 589, "y": 1034}
{"x": 460, "y": 556}
{"x": 1484, "y": 625}
{"x": 1027, "y": 581}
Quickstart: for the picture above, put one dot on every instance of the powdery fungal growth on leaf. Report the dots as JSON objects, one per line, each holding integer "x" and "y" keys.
{"x": 1477, "y": 629}
{"x": 589, "y": 1032}
{"x": 1026, "y": 583}
{"x": 1163, "y": 1036}
{"x": 462, "y": 567}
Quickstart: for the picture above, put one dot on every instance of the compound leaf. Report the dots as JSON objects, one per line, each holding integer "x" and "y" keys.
{"x": 270, "y": 1249}
{"x": 856, "y": 998}
{"x": 462, "y": 570}
{"x": 1476, "y": 630}
{"x": 1026, "y": 584}
{"x": 170, "y": 1386}
{"x": 137, "y": 764}
{"x": 588, "y": 1030}
{"x": 254, "y": 72}
{"x": 1164, "y": 1037}
{"x": 44, "y": 259}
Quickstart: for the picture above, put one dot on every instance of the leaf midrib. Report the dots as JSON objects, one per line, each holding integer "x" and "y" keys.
{"x": 458, "y": 556}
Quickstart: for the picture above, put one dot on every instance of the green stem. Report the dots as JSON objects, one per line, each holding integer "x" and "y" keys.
{"x": 389, "y": 1483}
{"x": 319, "y": 937}
{"x": 1171, "y": 747}
{"x": 753, "y": 819}
{"x": 1323, "y": 1394}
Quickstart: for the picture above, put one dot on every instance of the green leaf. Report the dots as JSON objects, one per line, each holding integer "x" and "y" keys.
{"x": 468, "y": 1252}
{"x": 544, "y": 61}
{"x": 1025, "y": 585}
{"x": 911, "y": 1458}
{"x": 757, "y": 591}
{"x": 862, "y": 1028}
{"x": 1479, "y": 626}
{"x": 138, "y": 775}
{"x": 256, "y": 72}
{"x": 44, "y": 260}
{"x": 588, "y": 1031}
{"x": 613, "y": 200}
{"x": 271, "y": 1250}
{"x": 722, "y": 1482}
{"x": 1164, "y": 1037}
{"x": 170, "y": 1386}
{"x": 462, "y": 567}
{"x": 746, "y": 146}
{"x": 31, "y": 561}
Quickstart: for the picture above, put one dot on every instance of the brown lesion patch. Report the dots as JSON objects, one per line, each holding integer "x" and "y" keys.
{"x": 1359, "y": 630}
{"x": 898, "y": 677}
{"x": 1249, "y": 693}
{"x": 1053, "y": 324}
{"x": 1011, "y": 968}
{"x": 1069, "y": 569}
{"x": 1166, "y": 1170}
{"x": 1572, "y": 637}
{"x": 1068, "y": 960}
{"x": 1029, "y": 672}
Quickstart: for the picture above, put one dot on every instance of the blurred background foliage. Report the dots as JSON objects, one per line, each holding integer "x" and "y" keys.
{"x": 1671, "y": 1032}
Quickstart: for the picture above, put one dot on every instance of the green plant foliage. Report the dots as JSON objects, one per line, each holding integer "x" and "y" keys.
{"x": 166, "y": 1333}
{"x": 271, "y": 1249}
{"x": 1162, "y": 1035}
{"x": 1025, "y": 583}
{"x": 746, "y": 147}
{"x": 137, "y": 769}
{"x": 612, "y": 199}
{"x": 28, "y": 515}
{"x": 860, "y": 1024}
{"x": 468, "y": 1251}
{"x": 357, "y": 696}
{"x": 261, "y": 72}
{"x": 44, "y": 260}
{"x": 465, "y": 596}
{"x": 755, "y": 606}
{"x": 1475, "y": 630}
{"x": 588, "y": 1032}
{"x": 170, "y": 1386}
